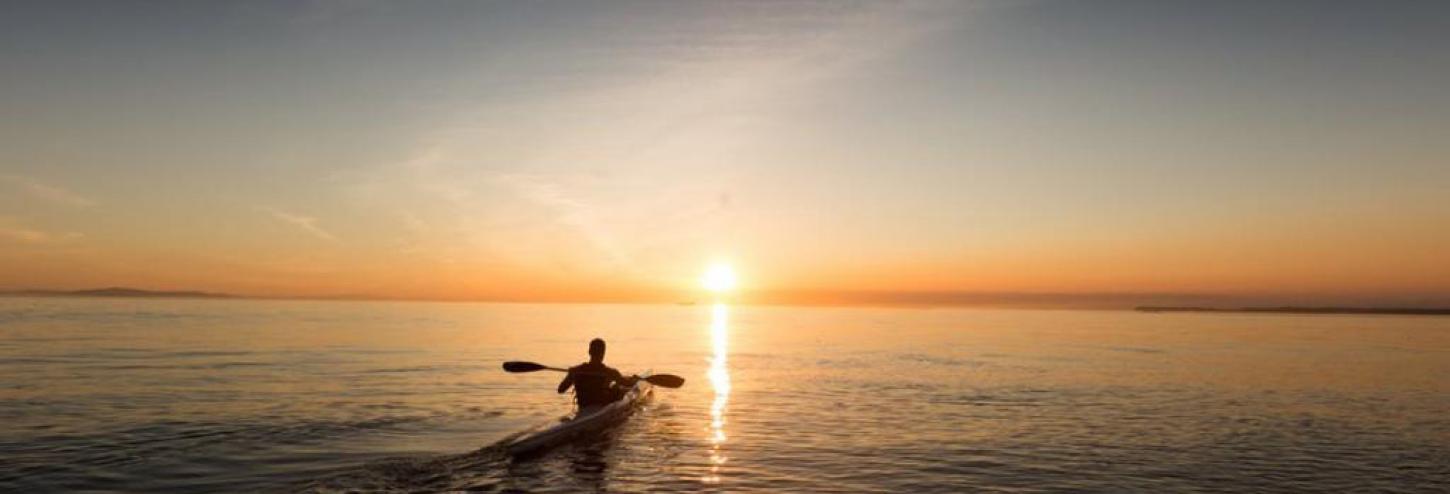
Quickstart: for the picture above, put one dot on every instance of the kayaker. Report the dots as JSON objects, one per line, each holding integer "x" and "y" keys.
{"x": 595, "y": 383}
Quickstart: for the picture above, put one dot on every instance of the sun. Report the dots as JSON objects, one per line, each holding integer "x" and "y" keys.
{"x": 718, "y": 278}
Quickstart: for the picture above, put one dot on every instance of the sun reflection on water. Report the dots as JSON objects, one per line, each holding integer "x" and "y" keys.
{"x": 720, "y": 380}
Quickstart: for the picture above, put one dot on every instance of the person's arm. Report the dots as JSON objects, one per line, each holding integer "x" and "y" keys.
{"x": 567, "y": 382}
{"x": 620, "y": 379}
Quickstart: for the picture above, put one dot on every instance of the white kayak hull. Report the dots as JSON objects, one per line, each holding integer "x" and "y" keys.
{"x": 586, "y": 421}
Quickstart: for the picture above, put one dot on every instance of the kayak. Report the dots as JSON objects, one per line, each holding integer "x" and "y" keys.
{"x": 587, "y": 420}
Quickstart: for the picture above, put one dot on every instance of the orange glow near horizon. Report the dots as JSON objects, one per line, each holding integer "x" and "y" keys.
{"x": 1326, "y": 268}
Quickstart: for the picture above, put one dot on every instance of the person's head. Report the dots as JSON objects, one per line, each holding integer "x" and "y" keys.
{"x": 596, "y": 350}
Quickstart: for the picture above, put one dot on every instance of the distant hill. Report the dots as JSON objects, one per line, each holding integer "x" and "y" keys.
{"x": 1309, "y": 310}
{"x": 117, "y": 291}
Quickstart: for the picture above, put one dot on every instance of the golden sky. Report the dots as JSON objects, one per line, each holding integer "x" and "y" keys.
{"x": 832, "y": 152}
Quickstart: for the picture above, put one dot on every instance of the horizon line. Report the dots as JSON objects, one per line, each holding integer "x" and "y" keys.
{"x": 837, "y": 298}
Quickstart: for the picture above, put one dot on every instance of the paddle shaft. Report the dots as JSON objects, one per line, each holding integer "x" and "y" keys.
{"x": 556, "y": 369}
{"x": 663, "y": 380}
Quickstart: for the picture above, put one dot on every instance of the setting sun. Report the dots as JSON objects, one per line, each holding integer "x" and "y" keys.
{"x": 719, "y": 278}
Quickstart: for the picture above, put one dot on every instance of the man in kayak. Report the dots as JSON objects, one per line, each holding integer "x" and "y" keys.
{"x": 595, "y": 383}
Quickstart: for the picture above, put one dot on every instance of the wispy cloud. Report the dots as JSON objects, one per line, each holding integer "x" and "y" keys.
{"x": 14, "y": 231}
{"x": 626, "y": 162}
{"x": 47, "y": 192}
{"x": 570, "y": 211}
{"x": 305, "y": 223}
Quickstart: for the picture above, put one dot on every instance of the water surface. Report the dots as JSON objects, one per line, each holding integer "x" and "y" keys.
{"x": 232, "y": 395}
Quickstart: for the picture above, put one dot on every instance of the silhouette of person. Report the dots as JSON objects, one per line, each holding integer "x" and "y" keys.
{"x": 595, "y": 383}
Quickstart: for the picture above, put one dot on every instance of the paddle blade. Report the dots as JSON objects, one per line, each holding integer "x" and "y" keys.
{"x": 523, "y": 366}
{"x": 666, "y": 380}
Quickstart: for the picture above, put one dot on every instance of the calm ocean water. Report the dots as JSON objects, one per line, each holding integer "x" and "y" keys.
{"x": 234, "y": 396}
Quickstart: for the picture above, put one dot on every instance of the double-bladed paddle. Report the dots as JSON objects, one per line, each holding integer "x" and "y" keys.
{"x": 661, "y": 380}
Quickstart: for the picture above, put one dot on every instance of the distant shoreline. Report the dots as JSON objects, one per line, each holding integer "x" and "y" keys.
{"x": 1404, "y": 311}
{"x": 117, "y": 292}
